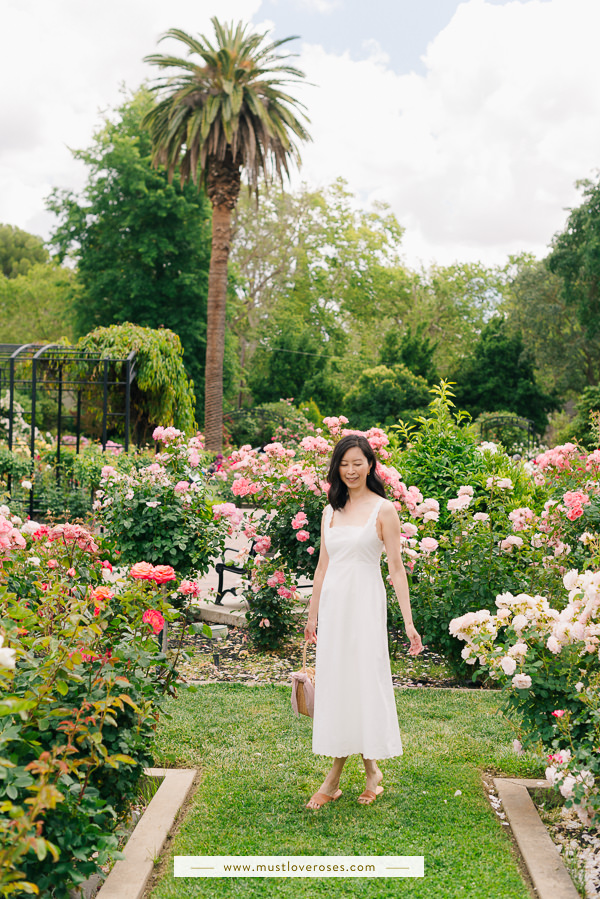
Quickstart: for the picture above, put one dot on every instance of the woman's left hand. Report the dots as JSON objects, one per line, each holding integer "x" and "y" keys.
{"x": 416, "y": 644}
{"x": 310, "y": 631}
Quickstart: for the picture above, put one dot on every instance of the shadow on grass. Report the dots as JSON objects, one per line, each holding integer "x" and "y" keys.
{"x": 258, "y": 772}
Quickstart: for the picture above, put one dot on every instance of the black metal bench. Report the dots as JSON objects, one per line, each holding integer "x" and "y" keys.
{"x": 223, "y": 566}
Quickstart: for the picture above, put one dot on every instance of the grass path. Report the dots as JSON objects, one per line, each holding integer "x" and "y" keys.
{"x": 258, "y": 771}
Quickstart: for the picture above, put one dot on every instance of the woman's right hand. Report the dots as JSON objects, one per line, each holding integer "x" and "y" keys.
{"x": 416, "y": 644}
{"x": 310, "y": 631}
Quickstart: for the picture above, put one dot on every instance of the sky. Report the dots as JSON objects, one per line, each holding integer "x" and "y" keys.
{"x": 473, "y": 120}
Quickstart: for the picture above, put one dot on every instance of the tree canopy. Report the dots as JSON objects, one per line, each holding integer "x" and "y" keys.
{"x": 575, "y": 258}
{"x": 500, "y": 376}
{"x": 142, "y": 245}
{"x": 19, "y": 251}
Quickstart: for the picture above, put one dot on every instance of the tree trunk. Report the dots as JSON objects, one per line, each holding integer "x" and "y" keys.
{"x": 223, "y": 189}
{"x": 215, "y": 327}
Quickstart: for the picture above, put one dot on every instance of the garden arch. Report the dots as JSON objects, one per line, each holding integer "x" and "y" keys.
{"x": 77, "y": 382}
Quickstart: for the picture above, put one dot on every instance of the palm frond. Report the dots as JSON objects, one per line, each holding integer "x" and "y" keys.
{"x": 225, "y": 100}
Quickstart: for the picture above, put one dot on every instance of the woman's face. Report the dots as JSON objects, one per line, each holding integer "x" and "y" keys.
{"x": 354, "y": 468}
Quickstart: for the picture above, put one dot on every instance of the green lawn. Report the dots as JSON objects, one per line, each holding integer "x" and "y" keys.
{"x": 258, "y": 771}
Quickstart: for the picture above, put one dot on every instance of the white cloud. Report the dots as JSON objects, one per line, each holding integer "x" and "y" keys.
{"x": 61, "y": 61}
{"x": 321, "y": 6}
{"x": 478, "y": 156}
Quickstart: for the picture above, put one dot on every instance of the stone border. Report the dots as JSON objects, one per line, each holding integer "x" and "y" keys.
{"x": 129, "y": 876}
{"x": 546, "y": 869}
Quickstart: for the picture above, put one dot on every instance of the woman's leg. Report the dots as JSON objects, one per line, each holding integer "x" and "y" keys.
{"x": 374, "y": 778}
{"x": 331, "y": 783}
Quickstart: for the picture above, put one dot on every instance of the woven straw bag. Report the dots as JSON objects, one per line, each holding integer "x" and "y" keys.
{"x": 303, "y": 688}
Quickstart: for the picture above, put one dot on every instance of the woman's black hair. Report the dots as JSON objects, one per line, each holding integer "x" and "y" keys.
{"x": 338, "y": 492}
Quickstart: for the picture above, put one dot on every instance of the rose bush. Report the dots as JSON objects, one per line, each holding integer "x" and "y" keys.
{"x": 162, "y": 509}
{"x": 547, "y": 660}
{"x": 83, "y": 683}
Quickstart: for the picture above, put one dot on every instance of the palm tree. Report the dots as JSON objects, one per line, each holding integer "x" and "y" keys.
{"x": 221, "y": 112}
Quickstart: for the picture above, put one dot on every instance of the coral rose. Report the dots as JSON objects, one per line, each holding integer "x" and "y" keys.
{"x": 154, "y": 619}
{"x": 142, "y": 571}
{"x": 162, "y": 573}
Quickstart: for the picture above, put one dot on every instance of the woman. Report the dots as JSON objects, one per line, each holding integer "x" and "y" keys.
{"x": 355, "y": 711}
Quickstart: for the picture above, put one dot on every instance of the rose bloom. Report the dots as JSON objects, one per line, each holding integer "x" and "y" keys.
{"x": 558, "y": 713}
{"x": 428, "y": 544}
{"x": 52, "y": 563}
{"x": 162, "y": 573}
{"x": 102, "y": 594}
{"x": 142, "y": 571}
{"x": 553, "y": 645}
{"x": 508, "y": 665}
{"x": 299, "y": 520}
{"x": 154, "y": 619}
{"x": 189, "y": 588}
{"x": 310, "y": 550}
{"x": 521, "y": 681}
{"x": 302, "y": 536}
{"x": 574, "y": 513}
{"x": 481, "y": 516}
{"x": 459, "y": 503}
{"x": 262, "y": 545}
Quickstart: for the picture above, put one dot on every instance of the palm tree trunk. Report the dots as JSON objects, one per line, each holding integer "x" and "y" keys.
{"x": 215, "y": 327}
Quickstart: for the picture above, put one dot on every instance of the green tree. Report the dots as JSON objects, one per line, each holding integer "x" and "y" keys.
{"x": 142, "y": 245}
{"x": 566, "y": 357}
{"x": 415, "y": 351}
{"x": 36, "y": 307}
{"x": 221, "y": 112}
{"x": 451, "y": 304}
{"x": 575, "y": 258}
{"x": 314, "y": 264}
{"x": 500, "y": 376}
{"x": 294, "y": 361}
{"x": 383, "y": 395}
{"x": 19, "y": 251}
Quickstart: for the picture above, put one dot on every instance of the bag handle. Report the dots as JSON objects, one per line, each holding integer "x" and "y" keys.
{"x": 306, "y": 645}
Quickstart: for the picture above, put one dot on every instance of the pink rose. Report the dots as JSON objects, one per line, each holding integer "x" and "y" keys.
{"x": 142, "y": 571}
{"x": 182, "y": 486}
{"x": 262, "y": 545}
{"x": 302, "y": 536}
{"x": 558, "y": 713}
{"x": 162, "y": 573}
{"x": 310, "y": 550}
{"x": 428, "y": 544}
{"x": 154, "y": 619}
{"x": 299, "y": 520}
{"x": 52, "y": 563}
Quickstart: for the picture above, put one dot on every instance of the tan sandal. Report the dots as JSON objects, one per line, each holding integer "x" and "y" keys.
{"x": 321, "y": 799}
{"x": 368, "y": 797}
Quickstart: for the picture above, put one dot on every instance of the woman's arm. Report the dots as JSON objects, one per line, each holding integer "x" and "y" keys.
{"x": 391, "y": 534}
{"x": 310, "y": 631}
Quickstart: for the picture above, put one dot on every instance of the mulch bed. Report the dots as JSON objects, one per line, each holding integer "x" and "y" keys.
{"x": 233, "y": 660}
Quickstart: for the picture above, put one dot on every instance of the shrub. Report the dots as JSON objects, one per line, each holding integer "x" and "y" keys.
{"x": 80, "y": 705}
{"x": 161, "y": 511}
{"x": 547, "y": 662}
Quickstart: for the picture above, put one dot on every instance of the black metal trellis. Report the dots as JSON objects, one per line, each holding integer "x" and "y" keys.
{"x": 68, "y": 371}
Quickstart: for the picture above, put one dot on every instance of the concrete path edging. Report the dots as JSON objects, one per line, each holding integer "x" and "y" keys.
{"x": 546, "y": 869}
{"x": 129, "y": 877}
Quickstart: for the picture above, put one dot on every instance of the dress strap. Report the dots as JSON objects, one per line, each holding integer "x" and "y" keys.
{"x": 328, "y": 515}
{"x": 374, "y": 513}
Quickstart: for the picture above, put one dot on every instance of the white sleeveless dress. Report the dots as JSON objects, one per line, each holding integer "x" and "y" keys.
{"x": 355, "y": 711}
